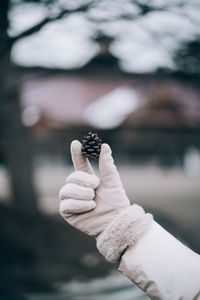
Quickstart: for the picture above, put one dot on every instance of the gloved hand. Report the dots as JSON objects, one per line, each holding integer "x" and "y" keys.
{"x": 99, "y": 206}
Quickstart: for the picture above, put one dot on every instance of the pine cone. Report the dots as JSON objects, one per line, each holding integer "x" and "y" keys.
{"x": 91, "y": 145}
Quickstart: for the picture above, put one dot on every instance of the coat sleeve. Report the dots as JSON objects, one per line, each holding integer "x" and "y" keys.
{"x": 162, "y": 267}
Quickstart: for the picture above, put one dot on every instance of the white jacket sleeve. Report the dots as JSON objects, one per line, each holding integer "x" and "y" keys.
{"x": 162, "y": 266}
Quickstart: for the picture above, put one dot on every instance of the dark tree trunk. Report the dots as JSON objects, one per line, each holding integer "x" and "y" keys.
{"x": 15, "y": 145}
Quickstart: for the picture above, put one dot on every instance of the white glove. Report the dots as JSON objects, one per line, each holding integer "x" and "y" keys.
{"x": 100, "y": 207}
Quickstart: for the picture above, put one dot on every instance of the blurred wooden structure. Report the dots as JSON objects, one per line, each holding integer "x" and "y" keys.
{"x": 167, "y": 120}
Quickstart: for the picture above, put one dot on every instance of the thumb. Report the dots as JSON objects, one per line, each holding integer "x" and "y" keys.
{"x": 80, "y": 162}
{"x": 108, "y": 171}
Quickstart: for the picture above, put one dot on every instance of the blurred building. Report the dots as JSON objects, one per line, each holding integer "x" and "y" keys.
{"x": 149, "y": 115}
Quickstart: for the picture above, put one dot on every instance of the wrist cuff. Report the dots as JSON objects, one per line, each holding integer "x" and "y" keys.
{"x": 125, "y": 230}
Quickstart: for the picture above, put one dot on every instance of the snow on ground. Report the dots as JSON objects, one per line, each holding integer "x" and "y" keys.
{"x": 114, "y": 286}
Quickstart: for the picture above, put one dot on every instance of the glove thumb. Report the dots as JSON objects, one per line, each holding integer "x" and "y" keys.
{"x": 80, "y": 162}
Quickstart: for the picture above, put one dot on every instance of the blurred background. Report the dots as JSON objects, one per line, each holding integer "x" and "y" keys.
{"x": 128, "y": 70}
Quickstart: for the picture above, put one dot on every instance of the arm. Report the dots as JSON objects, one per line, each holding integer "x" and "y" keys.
{"x": 162, "y": 266}
{"x": 152, "y": 258}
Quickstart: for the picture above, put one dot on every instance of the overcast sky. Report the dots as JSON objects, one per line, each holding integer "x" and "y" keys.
{"x": 142, "y": 45}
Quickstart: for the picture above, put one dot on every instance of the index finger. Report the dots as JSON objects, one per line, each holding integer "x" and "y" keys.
{"x": 80, "y": 162}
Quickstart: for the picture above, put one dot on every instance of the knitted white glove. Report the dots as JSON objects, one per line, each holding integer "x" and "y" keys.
{"x": 100, "y": 207}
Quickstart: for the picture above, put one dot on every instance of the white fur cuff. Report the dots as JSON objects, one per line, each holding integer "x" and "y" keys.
{"x": 125, "y": 230}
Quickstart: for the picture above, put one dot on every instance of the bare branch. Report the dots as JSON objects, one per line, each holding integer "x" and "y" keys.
{"x": 47, "y": 20}
{"x": 145, "y": 10}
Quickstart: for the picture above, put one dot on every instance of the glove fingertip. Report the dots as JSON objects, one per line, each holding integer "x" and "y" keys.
{"x": 105, "y": 160}
{"x": 75, "y": 145}
{"x": 105, "y": 149}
